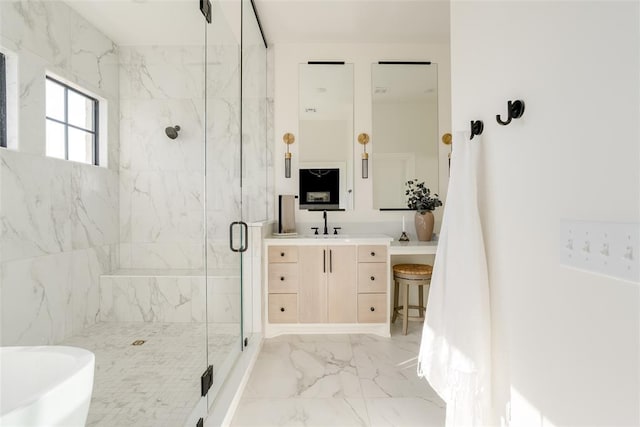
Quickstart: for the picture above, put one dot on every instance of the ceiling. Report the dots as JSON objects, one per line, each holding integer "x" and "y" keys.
{"x": 178, "y": 22}
{"x": 354, "y": 21}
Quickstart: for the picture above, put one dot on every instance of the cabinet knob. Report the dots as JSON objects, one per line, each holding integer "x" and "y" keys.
{"x": 372, "y": 309}
{"x": 373, "y": 278}
{"x": 282, "y": 278}
{"x": 281, "y": 253}
{"x": 282, "y": 309}
{"x": 373, "y": 254}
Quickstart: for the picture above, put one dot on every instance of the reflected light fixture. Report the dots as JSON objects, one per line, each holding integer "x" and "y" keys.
{"x": 288, "y": 139}
{"x": 363, "y": 139}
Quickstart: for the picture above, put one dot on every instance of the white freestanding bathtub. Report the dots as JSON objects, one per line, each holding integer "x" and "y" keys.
{"x": 45, "y": 386}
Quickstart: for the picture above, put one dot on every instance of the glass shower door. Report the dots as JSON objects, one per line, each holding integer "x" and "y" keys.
{"x": 235, "y": 177}
{"x": 225, "y": 234}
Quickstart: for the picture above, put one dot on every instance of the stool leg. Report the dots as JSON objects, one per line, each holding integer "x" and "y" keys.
{"x": 405, "y": 314}
{"x": 421, "y": 300}
{"x": 395, "y": 301}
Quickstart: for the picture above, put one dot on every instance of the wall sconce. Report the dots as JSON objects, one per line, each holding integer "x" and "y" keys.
{"x": 288, "y": 139}
{"x": 363, "y": 139}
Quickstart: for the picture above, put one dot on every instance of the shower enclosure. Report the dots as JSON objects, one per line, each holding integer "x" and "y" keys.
{"x": 149, "y": 247}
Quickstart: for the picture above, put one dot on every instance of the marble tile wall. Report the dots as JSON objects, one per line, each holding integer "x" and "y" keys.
{"x": 169, "y": 298}
{"x": 48, "y": 36}
{"x": 254, "y": 128}
{"x": 162, "y": 181}
{"x": 59, "y": 223}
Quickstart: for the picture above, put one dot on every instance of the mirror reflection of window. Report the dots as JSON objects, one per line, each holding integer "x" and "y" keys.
{"x": 405, "y": 130}
{"x": 326, "y": 122}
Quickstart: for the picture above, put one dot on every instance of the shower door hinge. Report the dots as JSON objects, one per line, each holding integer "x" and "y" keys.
{"x": 205, "y": 8}
{"x": 206, "y": 380}
{"x": 200, "y": 423}
{"x": 246, "y": 342}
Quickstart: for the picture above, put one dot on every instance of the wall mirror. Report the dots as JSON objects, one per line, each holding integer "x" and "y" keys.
{"x": 405, "y": 131}
{"x": 325, "y": 115}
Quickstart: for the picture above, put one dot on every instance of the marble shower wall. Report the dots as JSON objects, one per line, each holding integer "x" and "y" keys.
{"x": 59, "y": 219}
{"x": 161, "y": 179}
{"x": 256, "y": 181}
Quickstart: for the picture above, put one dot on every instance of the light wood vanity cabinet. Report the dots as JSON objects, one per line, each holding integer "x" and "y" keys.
{"x": 327, "y": 291}
{"x": 323, "y": 284}
{"x": 283, "y": 284}
{"x": 372, "y": 283}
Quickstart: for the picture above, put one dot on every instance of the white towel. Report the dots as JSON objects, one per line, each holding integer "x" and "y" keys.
{"x": 455, "y": 353}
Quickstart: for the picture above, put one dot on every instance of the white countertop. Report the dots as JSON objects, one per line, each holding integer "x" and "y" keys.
{"x": 413, "y": 247}
{"x": 328, "y": 239}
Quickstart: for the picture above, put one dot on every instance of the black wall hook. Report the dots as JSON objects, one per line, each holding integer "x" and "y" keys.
{"x": 476, "y": 128}
{"x": 515, "y": 110}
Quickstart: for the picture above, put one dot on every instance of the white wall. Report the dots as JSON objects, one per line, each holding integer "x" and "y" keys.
{"x": 565, "y": 342}
{"x": 287, "y": 58}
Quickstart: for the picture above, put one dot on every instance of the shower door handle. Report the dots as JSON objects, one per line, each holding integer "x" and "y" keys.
{"x": 243, "y": 232}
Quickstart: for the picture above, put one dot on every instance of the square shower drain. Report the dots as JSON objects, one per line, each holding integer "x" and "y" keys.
{"x": 138, "y": 342}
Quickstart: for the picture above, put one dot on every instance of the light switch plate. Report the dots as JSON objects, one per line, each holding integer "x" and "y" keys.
{"x": 609, "y": 248}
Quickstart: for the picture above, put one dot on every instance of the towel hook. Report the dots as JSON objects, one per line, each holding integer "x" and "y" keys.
{"x": 476, "y": 128}
{"x": 515, "y": 110}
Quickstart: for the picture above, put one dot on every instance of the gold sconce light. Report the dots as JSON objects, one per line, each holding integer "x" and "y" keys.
{"x": 363, "y": 139}
{"x": 288, "y": 139}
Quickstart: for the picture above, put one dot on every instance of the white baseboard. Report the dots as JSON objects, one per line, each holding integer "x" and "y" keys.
{"x": 275, "y": 329}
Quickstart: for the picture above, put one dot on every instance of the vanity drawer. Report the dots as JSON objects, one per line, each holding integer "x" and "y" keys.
{"x": 372, "y": 277}
{"x": 372, "y": 308}
{"x": 283, "y": 308}
{"x": 283, "y": 278}
{"x": 372, "y": 253}
{"x": 283, "y": 254}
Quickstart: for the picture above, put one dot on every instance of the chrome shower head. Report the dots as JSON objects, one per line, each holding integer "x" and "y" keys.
{"x": 172, "y": 131}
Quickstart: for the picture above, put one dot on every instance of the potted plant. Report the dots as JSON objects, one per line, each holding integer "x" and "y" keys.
{"x": 419, "y": 198}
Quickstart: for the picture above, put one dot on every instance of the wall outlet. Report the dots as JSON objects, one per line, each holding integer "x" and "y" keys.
{"x": 607, "y": 248}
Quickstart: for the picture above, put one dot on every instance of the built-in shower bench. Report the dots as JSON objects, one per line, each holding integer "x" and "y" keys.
{"x": 170, "y": 295}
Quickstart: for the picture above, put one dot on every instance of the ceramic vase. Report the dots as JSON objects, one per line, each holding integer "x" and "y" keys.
{"x": 424, "y": 225}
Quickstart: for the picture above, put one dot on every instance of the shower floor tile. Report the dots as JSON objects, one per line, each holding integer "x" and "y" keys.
{"x": 156, "y": 383}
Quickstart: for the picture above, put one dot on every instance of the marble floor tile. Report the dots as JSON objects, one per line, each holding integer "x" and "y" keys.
{"x": 404, "y": 412}
{"x": 301, "y": 412}
{"x": 308, "y": 379}
{"x": 304, "y": 369}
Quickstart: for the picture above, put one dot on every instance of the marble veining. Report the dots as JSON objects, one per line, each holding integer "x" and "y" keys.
{"x": 356, "y": 379}
{"x": 58, "y": 222}
{"x": 127, "y": 388}
{"x": 155, "y": 295}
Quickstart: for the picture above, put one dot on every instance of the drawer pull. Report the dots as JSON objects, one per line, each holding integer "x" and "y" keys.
{"x": 373, "y": 278}
{"x": 282, "y": 309}
{"x": 372, "y": 309}
{"x": 282, "y": 278}
{"x": 281, "y": 253}
{"x": 373, "y": 254}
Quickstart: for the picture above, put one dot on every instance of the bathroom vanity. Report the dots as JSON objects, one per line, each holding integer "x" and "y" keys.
{"x": 327, "y": 284}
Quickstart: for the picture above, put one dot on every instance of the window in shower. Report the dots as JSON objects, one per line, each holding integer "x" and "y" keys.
{"x": 3, "y": 101}
{"x": 72, "y": 123}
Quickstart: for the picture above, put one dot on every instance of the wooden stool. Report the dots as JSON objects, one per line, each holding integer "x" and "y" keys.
{"x": 406, "y": 275}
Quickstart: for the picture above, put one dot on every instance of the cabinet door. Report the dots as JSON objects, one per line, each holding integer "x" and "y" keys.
{"x": 312, "y": 284}
{"x": 342, "y": 285}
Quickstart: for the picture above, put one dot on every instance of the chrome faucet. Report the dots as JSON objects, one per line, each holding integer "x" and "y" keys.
{"x": 324, "y": 216}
